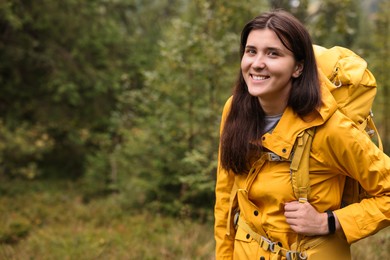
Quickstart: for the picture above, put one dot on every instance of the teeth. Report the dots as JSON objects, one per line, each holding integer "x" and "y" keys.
{"x": 259, "y": 77}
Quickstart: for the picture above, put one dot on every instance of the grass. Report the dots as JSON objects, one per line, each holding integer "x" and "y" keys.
{"x": 51, "y": 220}
{"x": 376, "y": 247}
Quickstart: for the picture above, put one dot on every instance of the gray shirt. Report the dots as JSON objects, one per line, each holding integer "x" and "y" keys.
{"x": 271, "y": 122}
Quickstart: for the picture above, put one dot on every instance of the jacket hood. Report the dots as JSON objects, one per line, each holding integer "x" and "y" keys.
{"x": 282, "y": 139}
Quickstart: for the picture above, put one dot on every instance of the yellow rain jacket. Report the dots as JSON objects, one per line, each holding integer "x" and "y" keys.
{"x": 339, "y": 149}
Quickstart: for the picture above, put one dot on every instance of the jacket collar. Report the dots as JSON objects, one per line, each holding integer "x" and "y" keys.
{"x": 282, "y": 138}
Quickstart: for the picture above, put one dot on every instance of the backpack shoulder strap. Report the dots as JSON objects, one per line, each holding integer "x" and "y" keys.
{"x": 299, "y": 167}
{"x": 373, "y": 132}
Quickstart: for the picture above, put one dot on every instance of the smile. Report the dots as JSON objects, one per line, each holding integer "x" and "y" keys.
{"x": 257, "y": 77}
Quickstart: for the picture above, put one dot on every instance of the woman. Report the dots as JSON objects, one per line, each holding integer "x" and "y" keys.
{"x": 277, "y": 96}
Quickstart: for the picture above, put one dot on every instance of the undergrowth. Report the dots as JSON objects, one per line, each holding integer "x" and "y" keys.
{"x": 52, "y": 220}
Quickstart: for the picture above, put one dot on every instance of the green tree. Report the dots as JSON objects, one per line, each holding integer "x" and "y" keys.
{"x": 381, "y": 65}
{"x": 67, "y": 66}
{"x": 182, "y": 104}
{"x": 58, "y": 77}
{"x": 298, "y": 8}
{"x": 334, "y": 22}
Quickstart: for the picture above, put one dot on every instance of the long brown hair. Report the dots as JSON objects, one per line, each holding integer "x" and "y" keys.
{"x": 245, "y": 121}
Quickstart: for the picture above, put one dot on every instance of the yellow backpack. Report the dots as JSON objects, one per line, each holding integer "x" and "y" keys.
{"x": 354, "y": 88}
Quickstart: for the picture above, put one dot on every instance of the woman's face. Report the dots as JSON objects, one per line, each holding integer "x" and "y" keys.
{"x": 268, "y": 68}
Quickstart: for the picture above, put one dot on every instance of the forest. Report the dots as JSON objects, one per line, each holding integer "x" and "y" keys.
{"x": 110, "y": 114}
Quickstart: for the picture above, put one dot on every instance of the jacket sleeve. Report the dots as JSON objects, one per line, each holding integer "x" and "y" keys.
{"x": 358, "y": 157}
{"x": 224, "y": 185}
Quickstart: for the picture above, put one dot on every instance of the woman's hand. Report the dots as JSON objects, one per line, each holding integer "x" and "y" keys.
{"x": 304, "y": 219}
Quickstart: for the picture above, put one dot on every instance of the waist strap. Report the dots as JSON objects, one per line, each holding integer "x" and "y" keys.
{"x": 268, "y": 245}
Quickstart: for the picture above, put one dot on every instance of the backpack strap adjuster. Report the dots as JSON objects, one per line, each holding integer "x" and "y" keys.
{"x": 273, "y": 157}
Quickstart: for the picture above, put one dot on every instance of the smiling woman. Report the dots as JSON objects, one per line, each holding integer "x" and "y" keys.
{"x": 278, "y": 97}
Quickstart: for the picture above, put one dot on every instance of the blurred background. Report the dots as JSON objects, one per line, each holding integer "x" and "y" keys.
{"x": 110, "y": 111}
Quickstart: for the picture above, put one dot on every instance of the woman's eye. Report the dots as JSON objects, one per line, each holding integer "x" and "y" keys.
{"x": 273, "y": 53}
{"x": 250, "y": 51}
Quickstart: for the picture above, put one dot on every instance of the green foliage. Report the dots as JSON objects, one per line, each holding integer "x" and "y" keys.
{"x": 69, "y": 64}
{"x": 334, "y": 22}
{"x": 379, "y": 53}
{"x": 181, "y": 104}
{"x": 14, "y": 229}
{"x": 62, "y": 74}
{"x": 49, "y": 220}
{"x": 124, "y": 101}
{"x": 297, "y": 7}
{"x": 21, "y": 148}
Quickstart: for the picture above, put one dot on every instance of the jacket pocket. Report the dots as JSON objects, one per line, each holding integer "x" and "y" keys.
{"x": 247, "y": 248}
{"x": 243, "y": 236}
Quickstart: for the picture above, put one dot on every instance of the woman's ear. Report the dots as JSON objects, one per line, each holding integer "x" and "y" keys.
{"x": 298, "y": 69}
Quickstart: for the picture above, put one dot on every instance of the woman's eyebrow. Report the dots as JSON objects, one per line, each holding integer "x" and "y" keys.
{"x": 267, "y": 48}
{"x": 274, "y": 49}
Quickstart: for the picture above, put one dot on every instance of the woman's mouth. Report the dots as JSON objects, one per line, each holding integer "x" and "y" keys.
{"x": 259, "y": 77}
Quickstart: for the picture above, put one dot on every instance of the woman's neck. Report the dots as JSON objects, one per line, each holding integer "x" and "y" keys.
{"x": 272, "y": 108}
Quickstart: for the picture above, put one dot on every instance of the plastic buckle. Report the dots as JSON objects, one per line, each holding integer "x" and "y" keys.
{"x": 302, "y": 200}
{"x": 236, "y": 218}
{"x": 292, "y": 255}
{"x": 302, "y": 255}
{"x": 267, "y": 244}
{"x": 272, "y": 247}
{"x": 274, "y": 157}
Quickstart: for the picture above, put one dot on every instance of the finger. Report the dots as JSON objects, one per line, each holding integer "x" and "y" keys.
{"x": 291, "y": 214}
{"x": 291, "y": 206}
{"x": 291, "y": 222}
{"x": 294, "y": 225}
{"x": 292, "y": 202}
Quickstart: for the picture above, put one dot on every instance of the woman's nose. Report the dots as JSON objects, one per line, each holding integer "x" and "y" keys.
{"x": 258, "y": 62}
